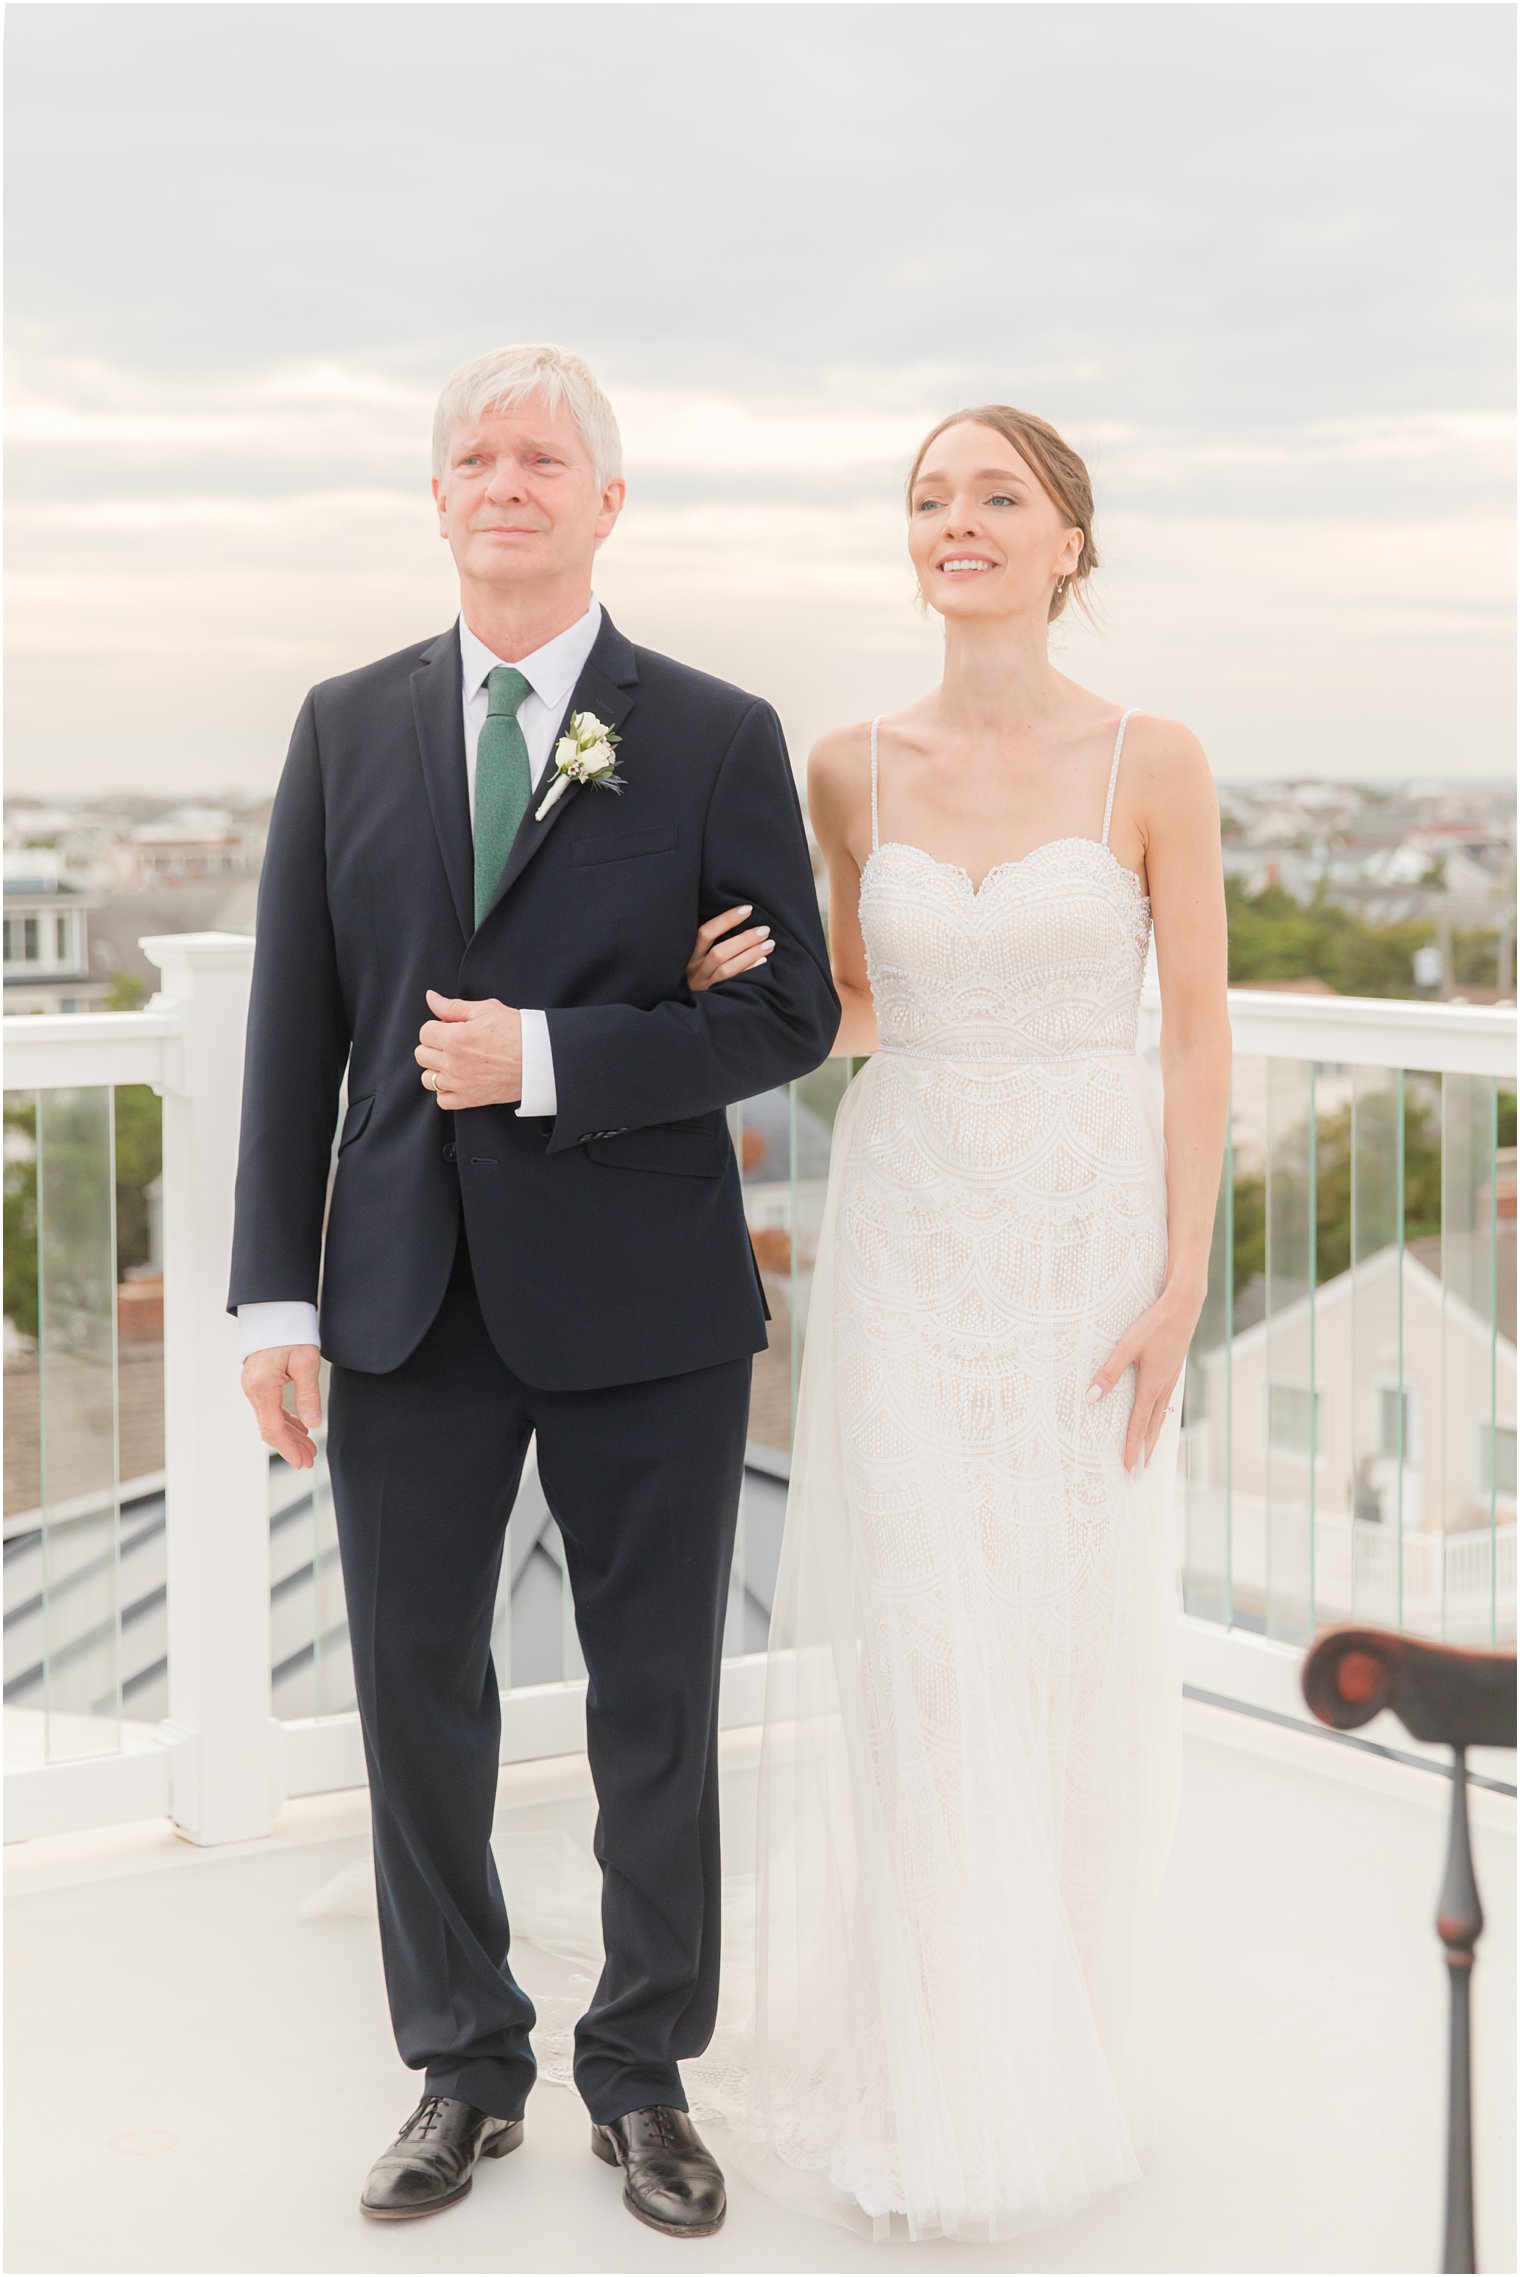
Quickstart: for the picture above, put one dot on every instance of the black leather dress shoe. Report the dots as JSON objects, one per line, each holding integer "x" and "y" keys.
{"x": 671, "y": 2179}
{"x": 431, "y": 2162}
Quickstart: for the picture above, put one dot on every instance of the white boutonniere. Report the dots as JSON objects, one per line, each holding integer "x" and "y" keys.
{"x": 584, "y": 755}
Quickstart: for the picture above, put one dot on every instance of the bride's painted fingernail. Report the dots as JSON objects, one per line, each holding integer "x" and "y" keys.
{"x": 1094, "y": 1391}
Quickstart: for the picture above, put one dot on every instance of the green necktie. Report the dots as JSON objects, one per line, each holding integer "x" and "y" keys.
{"x": 503, "y": 781}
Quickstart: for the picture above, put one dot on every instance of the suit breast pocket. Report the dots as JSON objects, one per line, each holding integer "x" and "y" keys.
{"x": 623, "y": 845}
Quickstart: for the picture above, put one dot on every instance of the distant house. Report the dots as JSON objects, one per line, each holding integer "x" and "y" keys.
{"x": 47, "y": 942}
{"x": 1393, "y": 1397}
{"x": 184, "y": 905}
{"x": 1258, "y": 869}
{"x": 1406, "y": 864}
{"x": 1476, "y": 868}
{"x": 188, "y": 844}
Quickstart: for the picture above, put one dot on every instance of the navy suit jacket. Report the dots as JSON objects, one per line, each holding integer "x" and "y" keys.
{"x": 608, "y": 1242}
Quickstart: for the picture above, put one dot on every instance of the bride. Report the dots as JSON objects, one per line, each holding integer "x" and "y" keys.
{"x": 970, "y": 1757}
{"x": 969, "y": 1762}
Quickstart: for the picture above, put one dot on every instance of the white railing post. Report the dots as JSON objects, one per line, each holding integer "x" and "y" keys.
{"x": 226, "y": 1757}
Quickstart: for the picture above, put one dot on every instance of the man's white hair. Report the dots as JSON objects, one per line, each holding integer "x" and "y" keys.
{"x": 505, "y": 377}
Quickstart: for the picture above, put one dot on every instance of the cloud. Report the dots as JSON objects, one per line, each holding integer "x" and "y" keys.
{"x": 1257, "y": 265}
{"x": 98, "y": 426}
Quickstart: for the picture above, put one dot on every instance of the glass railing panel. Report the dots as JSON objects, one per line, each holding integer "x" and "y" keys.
{"x": 103, "y": 1543}
{"x": 332, "y": 1663}
{"x": 1237, "y": 1381}
{"x": 813, "y": 1104}
{"x": 311, "y": 1672}
{"x": 736, "y": 1625}
{"x": 138, "y": 1122}
{"x": 143, "y": 1580}
{"x": 1371, "y": 1489}
{"x": 1207, "y": 1449}
{"x": 78, "y": 1479}
{"x": 1277, "y": 1393}
{"x": 782, "y": 1139}
{"x": 1502, "y": 1451}
{"x": 24, "y": 1718}
{"x": 764, "y": 1139}
{"x": 1475, "y": 1460}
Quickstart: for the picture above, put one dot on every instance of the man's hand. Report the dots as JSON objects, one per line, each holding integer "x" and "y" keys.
{"x": 471, "y": 1052}
{"x": 265, "y": 1375}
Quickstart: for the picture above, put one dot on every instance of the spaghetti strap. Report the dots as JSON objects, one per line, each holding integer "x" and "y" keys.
{"x": 875, "y": 828}
{"x": 1113, "y": 776}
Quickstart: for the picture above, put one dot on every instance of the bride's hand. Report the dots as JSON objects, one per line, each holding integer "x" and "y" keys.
{"x": 1156, "y": 1347}
{"x": 714, "y": 960}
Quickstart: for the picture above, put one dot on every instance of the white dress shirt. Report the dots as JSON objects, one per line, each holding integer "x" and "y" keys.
{"x": 552, "y": 671}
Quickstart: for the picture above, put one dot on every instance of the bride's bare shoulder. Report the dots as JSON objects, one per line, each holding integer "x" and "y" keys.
{"x": 839, "y": 774}
{"x": 841, "y": 751}
{"x": 1164, "y": 760}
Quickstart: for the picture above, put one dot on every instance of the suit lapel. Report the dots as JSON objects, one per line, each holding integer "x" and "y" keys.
{"x": 438, "y": 707}
{"x": 607, "y": 685}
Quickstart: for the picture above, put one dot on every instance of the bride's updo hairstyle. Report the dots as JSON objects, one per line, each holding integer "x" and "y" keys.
{"x": 1062, "y": 474}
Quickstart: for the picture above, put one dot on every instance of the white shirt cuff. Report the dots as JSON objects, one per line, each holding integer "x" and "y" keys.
{"x": 538, "y": 1095}
{"x": 282, "y": 1321}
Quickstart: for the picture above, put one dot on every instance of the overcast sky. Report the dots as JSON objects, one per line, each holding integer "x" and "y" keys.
{"x": 1255, "y": 262}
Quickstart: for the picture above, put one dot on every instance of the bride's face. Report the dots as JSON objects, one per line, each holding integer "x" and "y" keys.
{"x": 985, "y": 536}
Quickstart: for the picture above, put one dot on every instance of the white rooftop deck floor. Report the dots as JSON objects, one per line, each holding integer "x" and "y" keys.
{"x": 198, "y": 2077}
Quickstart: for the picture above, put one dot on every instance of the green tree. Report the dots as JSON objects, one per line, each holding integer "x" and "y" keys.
{"x": 1274, "y": 937}
{"x": 1475, "y": 955}
{"x": 1376, "y": 1171}
{"x": 127, "y": 992}
{"x": 139, "y": 1160}
{"x": 21, "y": 1213}
{"x": 138, "y": 1126}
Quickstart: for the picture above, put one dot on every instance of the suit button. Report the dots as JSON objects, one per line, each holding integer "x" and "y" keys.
{"x": 451, "y": 1152}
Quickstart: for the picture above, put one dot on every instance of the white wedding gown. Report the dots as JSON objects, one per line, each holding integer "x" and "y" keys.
{"x": 970, "y": 1759}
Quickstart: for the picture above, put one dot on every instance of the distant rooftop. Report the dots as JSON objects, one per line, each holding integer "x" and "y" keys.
{"x": 37, "y": 869}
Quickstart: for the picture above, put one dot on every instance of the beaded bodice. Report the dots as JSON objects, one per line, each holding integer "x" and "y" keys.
{"x": 1045, "y": 958}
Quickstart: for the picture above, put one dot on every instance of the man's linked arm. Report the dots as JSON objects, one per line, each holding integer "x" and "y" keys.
{"x": 297, "y": 1047}
{"x": 618, "y": 1066}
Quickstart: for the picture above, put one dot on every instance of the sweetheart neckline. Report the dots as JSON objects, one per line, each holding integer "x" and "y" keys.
{"x": 959, "y": 869}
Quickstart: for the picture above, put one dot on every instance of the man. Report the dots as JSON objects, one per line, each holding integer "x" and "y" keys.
{"x": 536, "y": 1226}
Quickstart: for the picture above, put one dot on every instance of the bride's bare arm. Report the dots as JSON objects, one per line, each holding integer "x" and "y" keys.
{"x": 839, "y": 799}
{"x": 1185, "y": 873}
{"x": 1171, "y": 804}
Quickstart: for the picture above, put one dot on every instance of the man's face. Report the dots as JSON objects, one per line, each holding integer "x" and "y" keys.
{"x": 519, "y": 502}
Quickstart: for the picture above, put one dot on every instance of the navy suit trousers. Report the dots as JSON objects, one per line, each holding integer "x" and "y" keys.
{"x": 644, "y": 1482}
